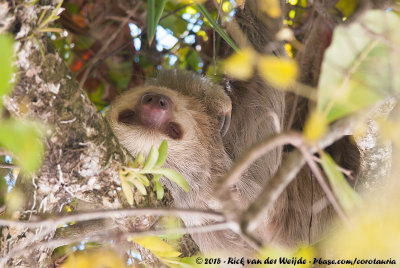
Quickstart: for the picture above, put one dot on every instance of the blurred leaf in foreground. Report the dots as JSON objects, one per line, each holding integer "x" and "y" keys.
{"x": 361, "y": 65}
{"x": 280, "y": 72}
{"x": 159, "y": 247}
{"x": 6, "y": 67}
{"x": 24, "y": 139}
{"x": 316, "y": 126}
{"x": 240, "y": 64}
{"x": 94, "y": 259}
{"x": 374, "y": 231}
{"x": 348, "y": 198}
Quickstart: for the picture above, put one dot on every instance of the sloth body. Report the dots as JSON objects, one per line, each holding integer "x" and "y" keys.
{"x": 190, "y": 112}
{"x": 197, "y": 110}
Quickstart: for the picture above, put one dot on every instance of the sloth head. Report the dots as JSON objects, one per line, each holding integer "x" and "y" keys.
{"x": 185, "y": 109}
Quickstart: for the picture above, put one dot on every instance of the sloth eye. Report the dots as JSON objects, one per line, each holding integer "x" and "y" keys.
{"x": 127, "y": 117}
{"x": 174, "y": 130}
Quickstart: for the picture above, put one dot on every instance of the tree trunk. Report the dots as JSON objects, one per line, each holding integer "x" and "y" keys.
{"x": 82, "y": 156}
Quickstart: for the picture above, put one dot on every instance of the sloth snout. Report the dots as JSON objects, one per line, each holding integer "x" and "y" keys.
{"x": 155, "y": 109}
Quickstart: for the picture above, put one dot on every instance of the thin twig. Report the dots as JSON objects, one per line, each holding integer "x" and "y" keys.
{"x": 253, "y": 154}
{"x": 93, "y": 215}
{"x": 9, "y": 166}
{"x": 288, "y": 170}
{"x": 346, "y": 172}
{"x": 325, "y": 187}
{"x": 117, "y": 236}
{"x": 99, "y": 54}
{"x": 25, "y": 246}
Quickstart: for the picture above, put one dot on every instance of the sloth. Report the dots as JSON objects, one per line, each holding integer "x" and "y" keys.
{"x": 192, "y": 114}
{"x": 207, "y": 128}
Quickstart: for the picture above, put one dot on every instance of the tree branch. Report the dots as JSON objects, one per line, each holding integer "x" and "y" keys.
{"x": 102, "y": 214}
{"x": 51, "y": 244}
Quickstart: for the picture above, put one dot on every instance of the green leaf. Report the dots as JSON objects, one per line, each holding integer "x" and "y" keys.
{"x": 143, "y": 179}
{"x": 120, "y": 73}
{"x": 176, "y": 24}
{"x": 151, "y": 26}
{"x": 173, "y": 176}
{"x": 347, "y": 7}
{"x": 83, "y": 42}
{"x": 139, "y": 161}
{"x": 6, "y": 67}
{"x": 159, "y": 190}
{"x": 72, "y": 8}
{"x": 126, "y": 189}
{"x": 203, "y": 11}
{"x": 360, "y": 65}
{"x": 348, "y": 198}
{"x": 159, "y": 11}
{"x": 138, "y": 184}
{"x": 153, "y": 17}
{"x": 151, "y": 159}
{"x": 24, "y": 139}
{"x": 193, "y": 59}
{"x": 162, "y": 154}
{"x": 157, "y": 246}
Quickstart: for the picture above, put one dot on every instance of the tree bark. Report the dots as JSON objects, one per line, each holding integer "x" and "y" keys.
{"x": 82, "y": 156}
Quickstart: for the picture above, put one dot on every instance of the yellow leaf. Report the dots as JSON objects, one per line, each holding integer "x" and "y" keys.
{"x": 203, "y": 34}
{"x": 288, "y": 48}
{"x": 126, "y": 189}
{"x": 347, "y": 7}
{"x": 227, "y": 7}
{"x": 270, "y": 7}
{"x": 373, "y": 232}
{"x": 94, "y": 259}
{"x": 190, "y": 10}
{"x": 280, "y": 73}
{"x": 315, "y": 126}
{"x": 307, "y": 253}
{"x": 157, "y": 246}
{"x": 240, "y": 65}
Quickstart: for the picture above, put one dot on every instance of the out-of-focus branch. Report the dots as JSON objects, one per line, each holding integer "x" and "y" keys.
{"x": 51, "y": 244}
{"x": 103, "y": 214}
{"x": 291, "y": 165}
{"x": 9, "y": 166}
{"x": 365, "y": 5}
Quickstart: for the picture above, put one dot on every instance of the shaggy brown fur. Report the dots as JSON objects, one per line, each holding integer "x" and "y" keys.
{"x": 202, "y": 156}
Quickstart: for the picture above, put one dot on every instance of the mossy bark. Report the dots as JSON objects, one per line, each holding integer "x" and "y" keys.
{"x": 82, "y": 156}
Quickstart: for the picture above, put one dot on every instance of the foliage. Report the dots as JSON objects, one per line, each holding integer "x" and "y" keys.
{"x": 21, "y": 138}
{"x": 135, "y": 173}
{"x": 94, "y": 259}
{"x": 354, "y": 78}
{"x": 359, "y": 70}
{"x": 6, "y": 68}
{"x": 281, "y": 73}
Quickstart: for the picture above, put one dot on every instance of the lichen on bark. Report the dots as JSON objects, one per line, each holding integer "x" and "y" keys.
{"x": 82, "y": 156}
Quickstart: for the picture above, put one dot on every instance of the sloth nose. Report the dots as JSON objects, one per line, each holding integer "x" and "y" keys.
{"x": 155, "y": 109}
{"x": 157, "y": 101}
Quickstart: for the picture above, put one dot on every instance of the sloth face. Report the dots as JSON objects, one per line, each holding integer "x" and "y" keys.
{"x": 190, "y": 113}
{"x": 147, "y": 115}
